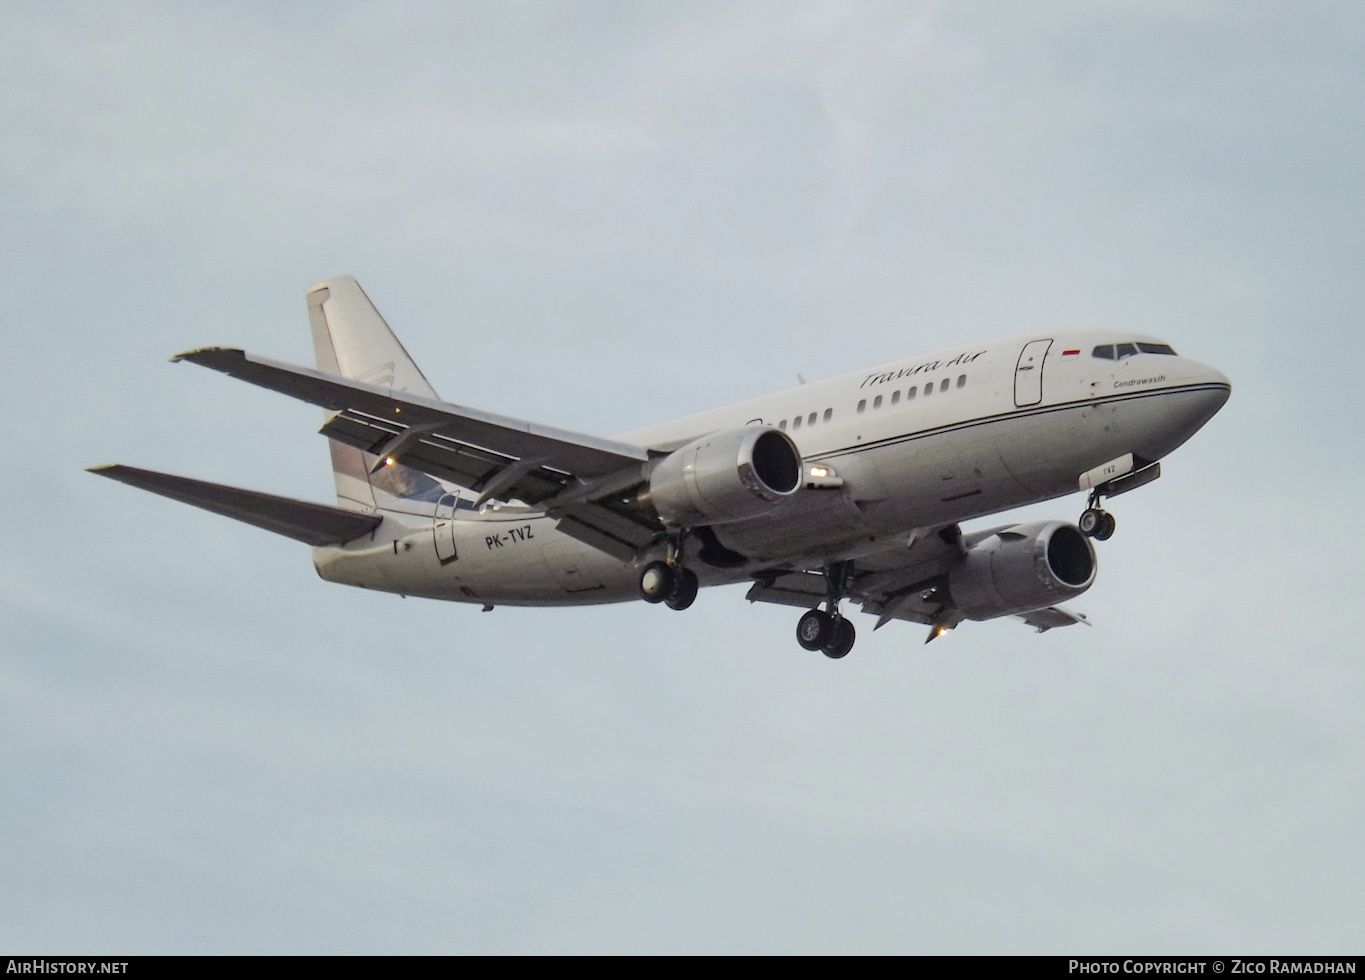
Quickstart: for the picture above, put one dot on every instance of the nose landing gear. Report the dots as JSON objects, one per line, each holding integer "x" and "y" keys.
{"x": 1094, "y": 521}
{"x": 1097, "y": 524}
{"x": 1134, "y": 472}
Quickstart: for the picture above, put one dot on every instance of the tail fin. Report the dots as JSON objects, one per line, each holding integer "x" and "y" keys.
{"x": 351, "y": 340}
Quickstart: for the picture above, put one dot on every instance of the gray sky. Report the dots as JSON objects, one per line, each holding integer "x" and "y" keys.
{"x": 600, "y": 216}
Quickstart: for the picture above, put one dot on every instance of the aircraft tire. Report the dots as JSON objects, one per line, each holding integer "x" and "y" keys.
{"x": 814, "y": 629}
{"x": 684, "y": 591}
{"x": 1107, "y": 527}
{"x": 1092, "y": 520}
{"x": 841, "y": 641}
{"x": 657, "y": 581}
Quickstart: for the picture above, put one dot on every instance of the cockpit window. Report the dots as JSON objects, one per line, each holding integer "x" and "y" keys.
{"x": 1108, "y": 351}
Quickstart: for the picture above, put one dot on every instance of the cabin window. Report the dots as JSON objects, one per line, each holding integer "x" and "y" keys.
{"x": 1105, "y": 351}
{"x": 928, "y": 389}
{"x": 895, "y": 398}
{"x": 1155, "y": 348}
{"x": 862, "y": 405}
{"x": 829, "y": 414}
{"x": 910, "y": 394}
{"x": 877, "y": 402}
{"x": 811, "y": 420}
{"x": 782, "y": 425}
{"x": 796, "y": 422}
{"x": 943, "y": 385}
{"x": 961, "y": 380}
{"x": 1126, "y": 350}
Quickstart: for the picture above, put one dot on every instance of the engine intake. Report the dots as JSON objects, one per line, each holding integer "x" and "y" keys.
{"x": 726, "y": 476}
{"x": 1022, "y": 568}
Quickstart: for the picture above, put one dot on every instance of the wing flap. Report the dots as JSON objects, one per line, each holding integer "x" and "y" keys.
{"x": 442, "y": 457}
{"x": 803, "y": 589}
{"x": 315, "y": 524}
{"x": 1052, "y": 617}
{"x": 606, "y": 530}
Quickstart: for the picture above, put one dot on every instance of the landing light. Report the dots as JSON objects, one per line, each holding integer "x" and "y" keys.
{"x": 388, "y": 460}
{"x": 820, "y": 477}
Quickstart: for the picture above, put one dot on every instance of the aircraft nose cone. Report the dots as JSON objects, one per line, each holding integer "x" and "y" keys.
{"x": 1214, "y": 376}
{"x": 1213, "y": 393}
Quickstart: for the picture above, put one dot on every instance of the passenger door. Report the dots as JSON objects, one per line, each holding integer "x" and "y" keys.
{"x": 1028, "y": 373}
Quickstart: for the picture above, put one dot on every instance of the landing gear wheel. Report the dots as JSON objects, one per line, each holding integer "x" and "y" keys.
{"x": 684, "y": 591}
{"x": 841, "y": 639}
{"x": 814, "y": 630}
{"x": 1107, "y": 525}
{"x": 1092, "y": 519}
{"x": 657, "y": 581}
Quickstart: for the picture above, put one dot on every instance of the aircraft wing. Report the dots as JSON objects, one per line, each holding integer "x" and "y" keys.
{"x": 908, "y": 582}
{"x": 501, "y": 458}
{"x": 315, "y": 524}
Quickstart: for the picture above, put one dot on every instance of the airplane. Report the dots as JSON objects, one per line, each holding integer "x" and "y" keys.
{"x": 852, "y": 488}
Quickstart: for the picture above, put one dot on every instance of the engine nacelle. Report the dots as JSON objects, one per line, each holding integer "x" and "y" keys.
{"x": 726, "y": 476}
{"x": 1025, "y": 567}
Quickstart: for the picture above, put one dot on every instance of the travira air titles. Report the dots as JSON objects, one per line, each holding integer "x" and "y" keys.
{"x": 845, "y": 490}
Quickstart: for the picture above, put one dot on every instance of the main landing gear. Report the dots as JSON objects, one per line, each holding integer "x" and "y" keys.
{"x": 1096, "y": 523}
{"x": 829, "y": 633}
{"x": 673, "y": 585}
{"x": 827, "y": 630}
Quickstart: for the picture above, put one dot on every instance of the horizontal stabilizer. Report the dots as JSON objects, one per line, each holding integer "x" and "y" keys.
{"x": 315, "y": 524}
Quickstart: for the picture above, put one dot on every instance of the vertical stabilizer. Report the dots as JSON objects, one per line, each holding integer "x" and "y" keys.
{"x": 351, "y": 340}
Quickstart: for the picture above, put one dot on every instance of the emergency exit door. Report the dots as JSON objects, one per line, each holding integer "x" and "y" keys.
{"x": 443, "y": 529}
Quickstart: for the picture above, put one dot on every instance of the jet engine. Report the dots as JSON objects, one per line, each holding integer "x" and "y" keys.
{"x": 726, "y": 476}
{"x": 1021, "y": 568}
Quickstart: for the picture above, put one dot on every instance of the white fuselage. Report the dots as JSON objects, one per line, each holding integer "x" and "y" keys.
{"x": 943, "y": 437}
